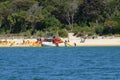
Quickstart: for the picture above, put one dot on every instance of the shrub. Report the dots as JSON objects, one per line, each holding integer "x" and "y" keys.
{"x": 39, "y": 33}
{"x": 110, "y": 23}
{"x": 2, "y": 31}
{"x": 111, "y": 26}
{"x": 63, "y": 33}
{"x": 99, "y": 29}
{"x": 27, "y": 34}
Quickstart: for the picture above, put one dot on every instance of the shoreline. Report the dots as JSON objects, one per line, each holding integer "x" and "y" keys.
{"x": 87, "y": 43}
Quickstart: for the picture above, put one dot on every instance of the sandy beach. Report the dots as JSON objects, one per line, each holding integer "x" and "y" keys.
{"x": 96, "y": 42}
{"x": 71, "y": 41}
{"x": 88, "y": 42}
{"x": 107, "y": 41}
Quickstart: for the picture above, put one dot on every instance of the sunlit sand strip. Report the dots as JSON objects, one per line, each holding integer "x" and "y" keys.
{"x": 95, "y": 42}
{"x": 88, "y": 42}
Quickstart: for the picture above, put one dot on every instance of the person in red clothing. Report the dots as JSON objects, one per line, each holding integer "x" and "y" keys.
{"x": 57, "y": 41}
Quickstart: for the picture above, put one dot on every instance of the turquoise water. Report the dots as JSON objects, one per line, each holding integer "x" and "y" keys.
{"x": 75, "y": 63}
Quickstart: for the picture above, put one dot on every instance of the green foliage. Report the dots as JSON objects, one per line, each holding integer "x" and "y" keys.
{"x": 51, "y": 22}
{"x": 27, "y": 33}
{"x": 110, "y": 23}
{"x": 2, "y": 32}
{"x": 40, "y": 33}
{"x": 111, "y": 26}
{"x": 43, "y": 17}
{"x": 99, "y": 29}
{"x": 90, "y": 10}
{"x": 63, "y": 33}
{"x": 23, "y": 4}
{"x": 82, "y": 31}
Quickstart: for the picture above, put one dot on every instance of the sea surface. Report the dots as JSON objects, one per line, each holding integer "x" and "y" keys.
{"x": 60, "y": 63}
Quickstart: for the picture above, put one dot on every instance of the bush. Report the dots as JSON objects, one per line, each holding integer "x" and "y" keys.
{"x": 63, "y": 33}
{"x": 2, "y": 32}
{"x": 39, "y": 33}
{"x": 110, "y": 23}
{"x": 27, "y": 34}
{"x": 90, "y": 33}
{"x": 99, "y": 29}
{"x": 111, "y": 26}
{"x": 82, "y": 31}
{"x": 68, "y": 28}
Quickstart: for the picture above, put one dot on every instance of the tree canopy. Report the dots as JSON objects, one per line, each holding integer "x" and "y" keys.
{"x": 38, "y": 16}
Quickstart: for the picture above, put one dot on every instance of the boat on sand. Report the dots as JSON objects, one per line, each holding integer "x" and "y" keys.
{"x": 50, "y": 41}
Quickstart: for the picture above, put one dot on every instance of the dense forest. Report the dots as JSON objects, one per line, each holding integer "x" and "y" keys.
{"x": 58, "y": 17}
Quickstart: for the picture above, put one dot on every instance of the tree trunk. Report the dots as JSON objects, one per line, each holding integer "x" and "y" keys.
{"x": 96, "y": 23}
{"x": 72, "y": 21}
{"x": 68, "y": 18}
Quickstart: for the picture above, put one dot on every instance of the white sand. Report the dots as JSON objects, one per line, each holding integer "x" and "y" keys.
{"x": 93, "y": 42}
{"x": 97, "y": 42}
{"x": 72, "y": 39}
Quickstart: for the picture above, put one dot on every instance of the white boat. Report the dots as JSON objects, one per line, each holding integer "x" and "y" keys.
{"x": 48, "y": 44}
{"x": 50, "y": 41}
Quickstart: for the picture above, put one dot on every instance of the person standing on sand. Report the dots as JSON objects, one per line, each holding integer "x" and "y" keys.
{"x": 68, "y": 40}
{"x": 65, "y": 43}
{"x": 75, "y": 44}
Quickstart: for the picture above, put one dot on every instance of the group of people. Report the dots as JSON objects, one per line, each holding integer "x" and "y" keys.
{"x": 66, "y": 43}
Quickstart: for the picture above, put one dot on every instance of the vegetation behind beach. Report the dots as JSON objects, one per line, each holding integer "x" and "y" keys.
{"x": 58, "y": 17}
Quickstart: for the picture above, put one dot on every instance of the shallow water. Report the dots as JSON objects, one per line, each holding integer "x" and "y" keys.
{"x": 48, "y": 63}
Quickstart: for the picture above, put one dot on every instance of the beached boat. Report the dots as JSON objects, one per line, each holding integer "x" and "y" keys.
{"x": 50, "y": 41}
{"x": 48, "y": 44}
